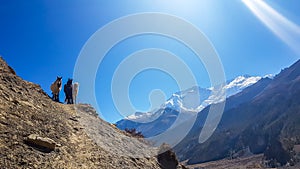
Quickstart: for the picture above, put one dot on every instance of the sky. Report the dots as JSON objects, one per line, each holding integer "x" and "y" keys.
{"x": 42, "y": 39}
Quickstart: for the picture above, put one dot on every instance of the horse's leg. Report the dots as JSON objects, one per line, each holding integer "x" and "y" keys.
{"x": 70, "y": 100}
{"x": 58, "y": 97}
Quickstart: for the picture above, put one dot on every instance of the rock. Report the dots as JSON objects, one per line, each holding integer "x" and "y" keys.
{"x": 74, "y": 118}
{"x": 41, "y": 142}
{"x": 4, "y": 68}
{"x": 167, "y": 158}
{"x": 297, "y": 148}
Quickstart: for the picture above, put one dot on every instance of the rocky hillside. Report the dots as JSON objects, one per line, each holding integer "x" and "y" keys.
{"x": 36, "y": 132}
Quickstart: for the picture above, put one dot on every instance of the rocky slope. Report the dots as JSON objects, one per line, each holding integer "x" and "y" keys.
{"x": 36, "y": 132}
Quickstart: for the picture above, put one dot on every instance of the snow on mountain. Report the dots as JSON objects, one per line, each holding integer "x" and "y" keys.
{"x": 194, "y": 99}
{"x": 270, "y": 76}
{"x": 240, "y": 83}
{"x": 188, "y": 100}
{"x": 145, "y": 117}
{"x": 197, "y": 98}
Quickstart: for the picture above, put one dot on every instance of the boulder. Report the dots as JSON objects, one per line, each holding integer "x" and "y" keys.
{"x": 43, "y": 143}
{"x": 166, "y": 157}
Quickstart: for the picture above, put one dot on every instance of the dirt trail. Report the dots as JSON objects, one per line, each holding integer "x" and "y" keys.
{"x": 110, "y": 138}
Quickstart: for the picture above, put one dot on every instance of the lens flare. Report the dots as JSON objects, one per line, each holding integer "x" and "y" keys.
{"x": 282, "y": 27}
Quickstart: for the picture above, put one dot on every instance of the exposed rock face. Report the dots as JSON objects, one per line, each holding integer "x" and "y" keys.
{"x": 45, "y": 144}
{"x": 4, "y": 68}
{"x": 25, "y": 109}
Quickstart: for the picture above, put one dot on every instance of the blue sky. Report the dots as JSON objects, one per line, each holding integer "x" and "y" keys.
{"x": 42, "y": 39}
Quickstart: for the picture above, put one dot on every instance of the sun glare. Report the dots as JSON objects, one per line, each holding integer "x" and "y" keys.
{"x": 282, "y": 27}
{"x": 183, "y": 8}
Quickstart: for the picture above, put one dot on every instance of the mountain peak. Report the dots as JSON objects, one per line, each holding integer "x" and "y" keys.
{"x": 183, "y": 101}
{"x": 5, "y": 68}
{"x": 259, "y": 120}
{"x": 239, "y": 83}
{"x": 194, "y": 99}
{"x": 188, "y": 102}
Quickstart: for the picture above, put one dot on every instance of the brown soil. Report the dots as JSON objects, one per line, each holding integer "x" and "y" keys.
{"x": 26, "y": 109}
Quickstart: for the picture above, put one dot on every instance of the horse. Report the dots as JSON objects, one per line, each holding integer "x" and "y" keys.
{"x": 68, "y": 89}
{"x": 75, "y": 91}
{"x": 55, "y": 88}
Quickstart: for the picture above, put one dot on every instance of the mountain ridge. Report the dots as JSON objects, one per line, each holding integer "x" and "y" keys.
{"x": 264, "y": 118}
{"x": 36, "y": 132}
{"x": 154, "y": 123}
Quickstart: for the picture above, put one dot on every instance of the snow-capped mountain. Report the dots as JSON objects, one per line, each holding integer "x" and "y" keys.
{"x": 194, "y": 99}
{"x": 238, "y": 84}
{"x": 185, "y": 103}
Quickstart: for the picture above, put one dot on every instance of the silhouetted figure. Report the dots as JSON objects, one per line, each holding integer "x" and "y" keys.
{"x": 55, "y": 88}
{"x": 68, "y": 92}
